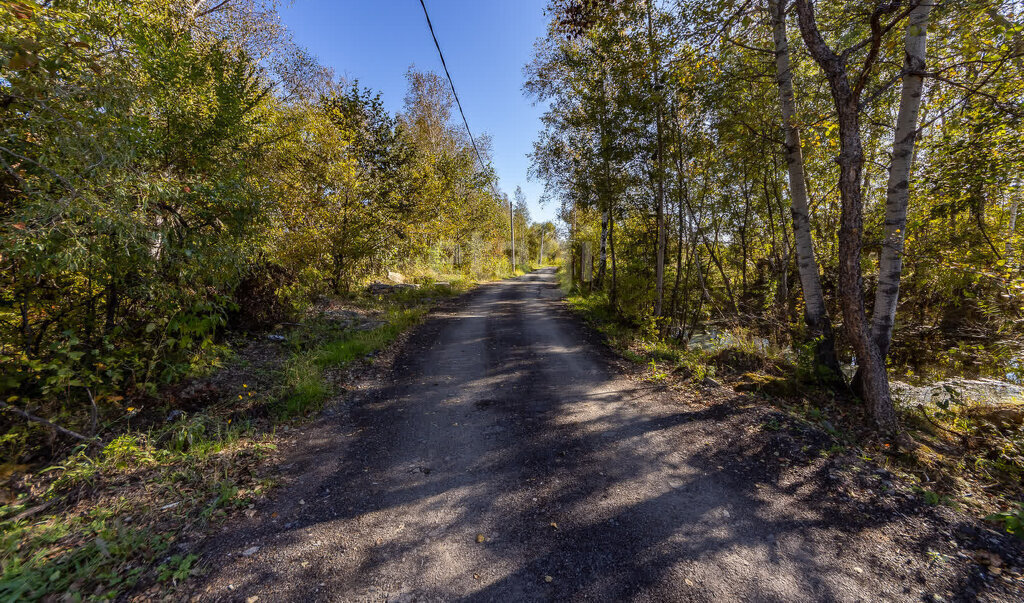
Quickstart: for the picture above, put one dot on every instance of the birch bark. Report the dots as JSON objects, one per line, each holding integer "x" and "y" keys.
{"x": 815, "y": 313}
{"x": 846, "y": 99}
{"x": 890, "y": 264}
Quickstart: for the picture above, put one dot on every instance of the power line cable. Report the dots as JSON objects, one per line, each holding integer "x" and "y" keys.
{"x": 452, "y": 84}
{"x": 465, "y": 122}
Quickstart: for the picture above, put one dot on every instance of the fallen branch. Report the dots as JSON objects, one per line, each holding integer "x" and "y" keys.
{"x": 30, "y": 512}
{"x": 936, "y": 424}
{"x": 58, "y": 428}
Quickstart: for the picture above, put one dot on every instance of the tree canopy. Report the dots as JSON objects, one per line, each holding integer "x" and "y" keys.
{"x": 170, "y": 168}
{"x": 783, "y": 164}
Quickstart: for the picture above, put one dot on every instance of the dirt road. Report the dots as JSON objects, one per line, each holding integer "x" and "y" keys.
{"x": 507, "y": 458}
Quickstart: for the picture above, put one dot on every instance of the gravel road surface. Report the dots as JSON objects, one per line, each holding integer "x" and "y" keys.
{"x": 508, "y": 457}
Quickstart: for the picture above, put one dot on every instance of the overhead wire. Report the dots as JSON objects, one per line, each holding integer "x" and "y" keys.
{"x": 458, "y": 103}
{"x": 465, "y": 122}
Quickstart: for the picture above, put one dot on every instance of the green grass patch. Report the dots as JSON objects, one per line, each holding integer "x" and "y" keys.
{"x": 175, "y": 477}
{"x": 640, "y": 343}
{"x": 1012, "y": 520}
{"x": 307, "y": 389}
{"x": 307, "y": 384}
{"x": 356, "y": 345}
{"x": 112, "y": 516}
{"x": 96, "y": 567}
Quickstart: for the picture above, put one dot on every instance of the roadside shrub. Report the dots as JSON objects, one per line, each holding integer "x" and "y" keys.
{"x": 1012, "y": 520}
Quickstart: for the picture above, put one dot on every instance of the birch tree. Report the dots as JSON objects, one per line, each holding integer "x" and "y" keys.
{"x": 815, "y": 313}
{"x": 847, "y": 89}
{"x": 898, "y": 189}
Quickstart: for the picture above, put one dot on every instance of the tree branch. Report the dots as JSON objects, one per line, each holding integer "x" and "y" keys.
{"x": 58, "y": 428}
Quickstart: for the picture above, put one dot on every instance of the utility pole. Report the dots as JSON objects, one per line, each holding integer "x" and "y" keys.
{"x": 540, "y": 259}
{"x": 512, "y": 231}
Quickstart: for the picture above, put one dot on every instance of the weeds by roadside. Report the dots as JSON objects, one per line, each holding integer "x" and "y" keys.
{"x": 104, "y": 521}
{"x": 962, "y": 458}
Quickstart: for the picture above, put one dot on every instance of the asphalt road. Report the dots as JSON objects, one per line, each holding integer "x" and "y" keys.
{"x": 507, "y": 458}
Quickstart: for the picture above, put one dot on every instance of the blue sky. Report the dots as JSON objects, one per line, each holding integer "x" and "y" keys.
{"x": 485, "y": 42}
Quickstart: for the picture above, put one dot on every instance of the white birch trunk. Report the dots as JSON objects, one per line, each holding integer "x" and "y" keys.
{"x": 815, "y": 313}
{"x": 890, "y": 264}
{"x": 1011, "y": 229}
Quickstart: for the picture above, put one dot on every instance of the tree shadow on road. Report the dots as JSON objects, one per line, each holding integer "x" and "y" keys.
{"x": 581, "y": 486}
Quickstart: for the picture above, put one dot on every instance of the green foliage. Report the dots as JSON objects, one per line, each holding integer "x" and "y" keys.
{"x": 206, "y": 174}
{"x": 807, "y": 367}
{"x": 306, "y": 384}
{"x": 640, "y": 343}
{"x": 197, "y": 468}
{"x": 1012, "y": 520}
{"x": 98, "y": 554}
{"x": 177, "y": 568}
{"x": 307, "y": 388}
{"x": 125, "y": 217}
{"x": 700, "y": 145}
{"x": 933, "y": 498}
{"x": 101, "y": 561}
{"x": 657, "y": 375}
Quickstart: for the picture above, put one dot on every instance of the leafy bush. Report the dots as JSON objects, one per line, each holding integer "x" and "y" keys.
{"x": 200, "y": 177}
{"x": 1012, "y": 520}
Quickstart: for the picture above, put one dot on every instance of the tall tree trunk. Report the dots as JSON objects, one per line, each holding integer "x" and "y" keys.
{"x": 604, "y": 191}
{"x": 572, "y": 248}
{"x": 660, "y": 202}
{"x": 660, "y": 217}
{"x": 679, "y": 235}
{"x": 890, "y": 265}
{"x": 846, "y": 99}
{"x": 603, "y": 251}
{"x": 744, "y": 242}
{"x": 112, "y": 301}
{"x": 816, "y": 316}
{"x": 611, "y": 243}
{"x": 780, "y": 252}
{"x": 787, "y": 252}
{"x": 1011, "y": 228}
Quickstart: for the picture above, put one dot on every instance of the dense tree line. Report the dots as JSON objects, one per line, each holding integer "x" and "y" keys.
{"x": 170, "y": 166}
{"x": 844, "y": 172}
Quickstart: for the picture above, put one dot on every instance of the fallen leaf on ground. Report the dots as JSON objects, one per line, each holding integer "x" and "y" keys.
{"x": 548, "y": 578}
{"x": 480, "y": 538}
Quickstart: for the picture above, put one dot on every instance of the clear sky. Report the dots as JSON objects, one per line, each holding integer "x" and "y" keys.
{"x": 485, "y": 42}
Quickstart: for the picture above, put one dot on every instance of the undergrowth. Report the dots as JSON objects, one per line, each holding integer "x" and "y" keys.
{"x": 109, "y": 519}
{"x": 962, "y": 457}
